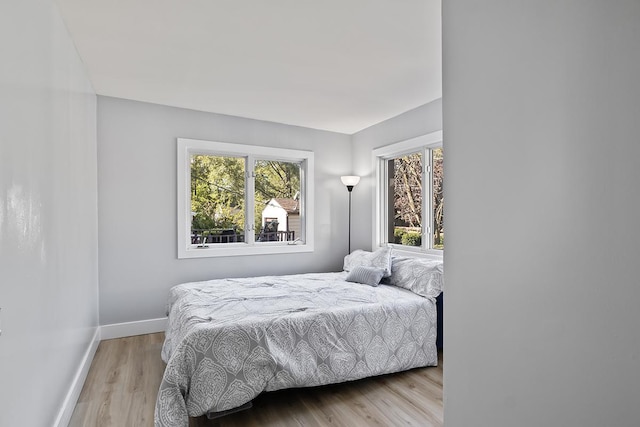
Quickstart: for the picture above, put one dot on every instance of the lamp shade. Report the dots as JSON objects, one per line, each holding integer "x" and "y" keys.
{"x": 350, "y": 180}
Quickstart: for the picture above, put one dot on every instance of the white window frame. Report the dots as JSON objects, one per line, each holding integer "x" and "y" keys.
{"x": 188, "y": 147}
{"x": 423, "y": 144}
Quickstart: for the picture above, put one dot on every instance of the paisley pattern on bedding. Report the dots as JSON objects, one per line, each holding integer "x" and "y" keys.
{"x": 419, "y": 275}
{"x": 229, "y": 340}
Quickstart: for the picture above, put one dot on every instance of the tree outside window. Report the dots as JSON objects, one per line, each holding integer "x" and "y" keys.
{"x": 410, "y": 208}
{"x": 218, "y": 194}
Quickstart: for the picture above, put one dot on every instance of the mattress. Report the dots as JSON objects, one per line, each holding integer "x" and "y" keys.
{"x": 229, "y": 340}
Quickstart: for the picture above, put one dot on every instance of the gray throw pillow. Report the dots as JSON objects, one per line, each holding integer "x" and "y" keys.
{"x": 366, "y": 275}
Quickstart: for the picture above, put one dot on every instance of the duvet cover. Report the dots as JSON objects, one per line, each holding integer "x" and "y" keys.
{"x": 229, "y": 340}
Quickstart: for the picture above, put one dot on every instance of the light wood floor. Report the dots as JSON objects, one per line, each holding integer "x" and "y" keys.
{"x": 125, "y": 375}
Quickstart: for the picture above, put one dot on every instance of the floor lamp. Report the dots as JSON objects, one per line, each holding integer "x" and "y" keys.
{"x": 350, "y": 181}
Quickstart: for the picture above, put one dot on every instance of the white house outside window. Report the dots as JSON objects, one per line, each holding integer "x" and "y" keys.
{"x": 236, "y": 199}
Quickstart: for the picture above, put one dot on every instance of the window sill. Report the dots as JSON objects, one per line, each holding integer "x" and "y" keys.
{"x": 414, "y": 252}
{"x": 224, "y": 250}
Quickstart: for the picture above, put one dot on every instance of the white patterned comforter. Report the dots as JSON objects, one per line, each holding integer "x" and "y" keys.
{"x": 229, "y": 340}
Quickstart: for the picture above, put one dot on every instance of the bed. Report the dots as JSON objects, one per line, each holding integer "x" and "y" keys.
{"x": 229, "y": 340}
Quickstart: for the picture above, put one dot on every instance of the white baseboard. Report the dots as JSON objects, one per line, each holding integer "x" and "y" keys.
{"x": 129, "y": 329}
{"x": 70, "y": 400}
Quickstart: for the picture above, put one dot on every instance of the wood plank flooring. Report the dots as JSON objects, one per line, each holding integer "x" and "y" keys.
{"x": 122, "y": 384}
{"x": 125, "y": 375}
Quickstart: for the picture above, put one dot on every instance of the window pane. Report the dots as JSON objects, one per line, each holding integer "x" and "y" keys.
{"x": 405, "y": 199}
{"x": 217, "y": 199}
{"x": 438, "y": 198}
{"x": 277, "y": 201}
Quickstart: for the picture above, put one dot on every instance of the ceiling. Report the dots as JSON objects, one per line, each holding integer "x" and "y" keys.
{"x": 338, "y": 65}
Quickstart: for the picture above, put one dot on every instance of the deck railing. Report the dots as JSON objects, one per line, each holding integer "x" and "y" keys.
{"x": 207, "y": 236}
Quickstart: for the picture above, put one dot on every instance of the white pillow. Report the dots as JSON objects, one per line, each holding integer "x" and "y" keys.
{"x": 366, "y": 275}
{"x": 421, "y": 276}
{"x": 379, "y": 259}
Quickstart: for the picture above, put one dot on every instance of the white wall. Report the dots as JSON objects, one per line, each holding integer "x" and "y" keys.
{"x": 137, "y": 203}
{"x": 419, "y": 121}
{"x": 48, "y": 213}
{"x": 542, "y": 138}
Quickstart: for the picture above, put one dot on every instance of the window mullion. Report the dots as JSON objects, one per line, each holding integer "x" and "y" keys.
{"x": 303, "y": 201}
{"x": 427, "y": 198}
{"x": 384, "y": 208}
{"x": 249, "y": 198}
{"x": 389, "y": 201}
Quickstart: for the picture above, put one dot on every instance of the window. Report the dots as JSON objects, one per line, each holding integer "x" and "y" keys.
{"x": 238, "y": 199}
{"x": 410, "y": 199}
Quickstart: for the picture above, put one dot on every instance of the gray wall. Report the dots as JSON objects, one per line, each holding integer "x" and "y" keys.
{"x": 541, "y": 124}
{"x": 137, "y": 203}
{"x": 48, "y": 213}
{"x": 419, "y": 121}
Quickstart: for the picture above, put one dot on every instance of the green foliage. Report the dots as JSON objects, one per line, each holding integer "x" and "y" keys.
{"x": 397, "y": 235}
{"x": 218, "y": 189}
{"x": 277, "y": 179}
{"x": 411, "y": 238}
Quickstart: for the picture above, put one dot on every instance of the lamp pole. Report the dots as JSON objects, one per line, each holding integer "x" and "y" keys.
{"x": 349, "y": 188}
{"x": 350, "y": 181}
